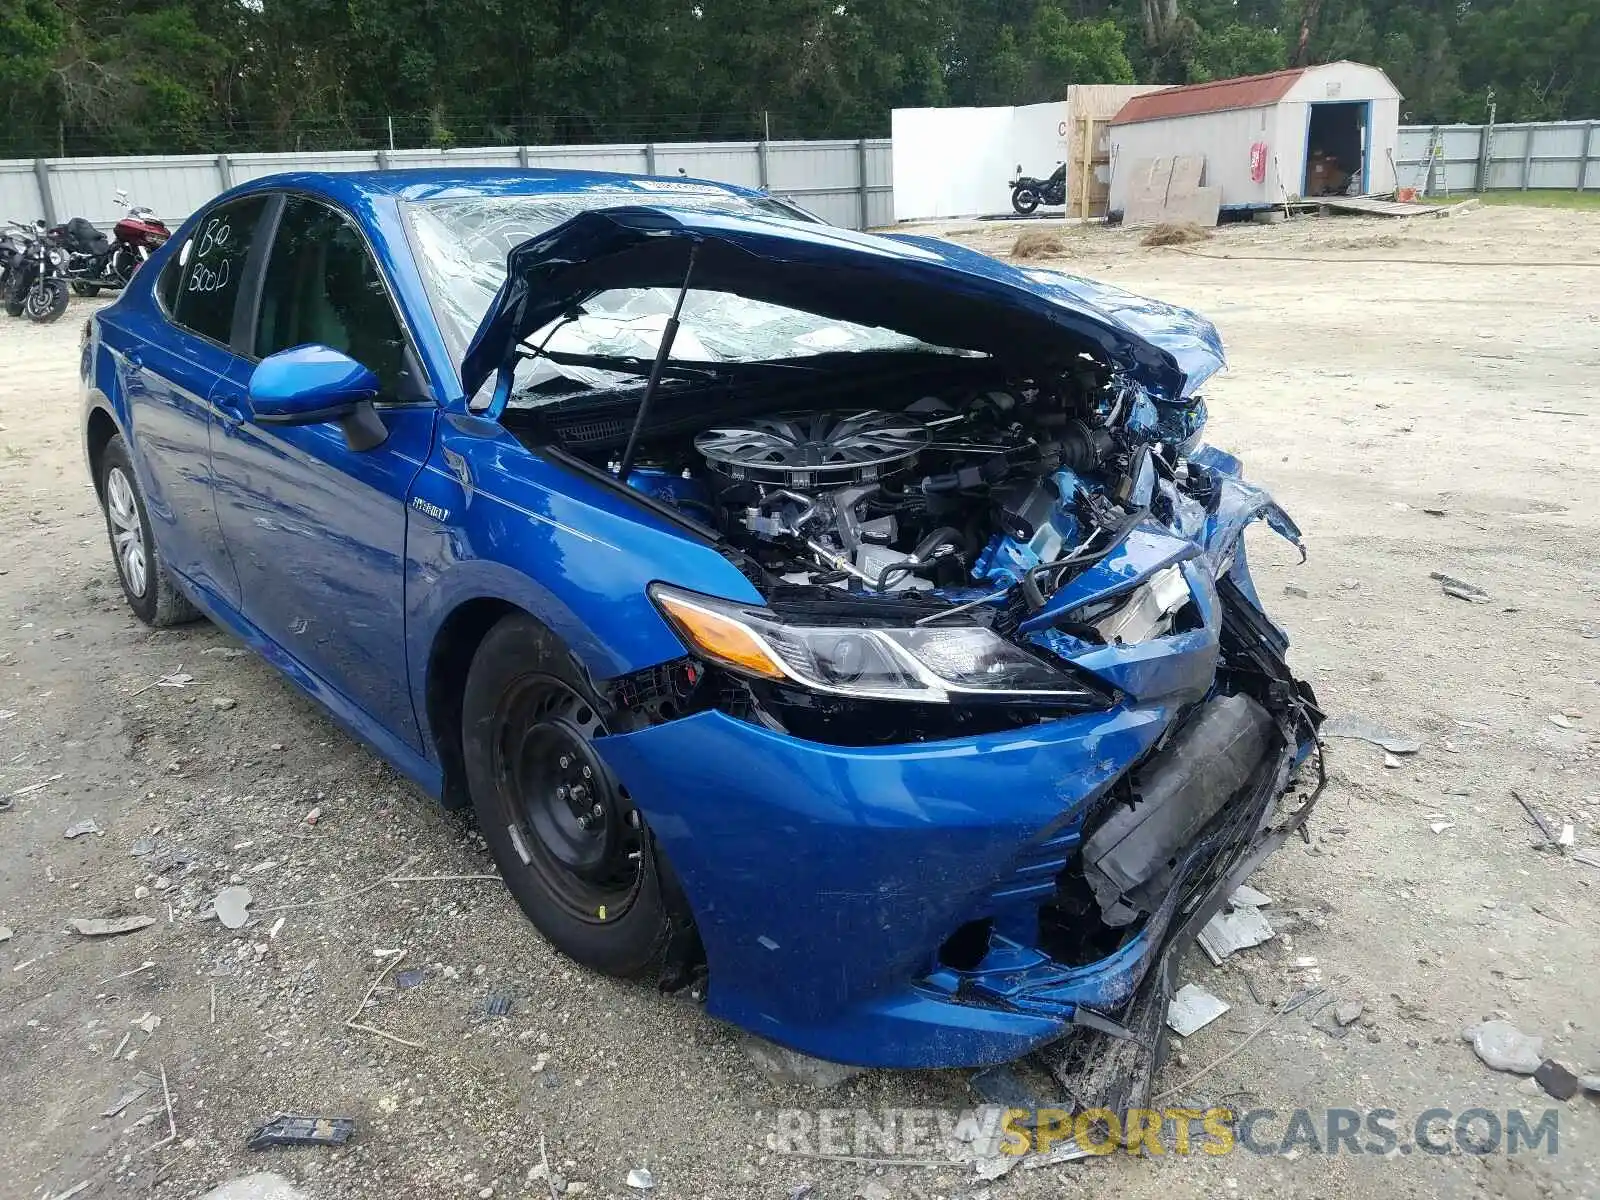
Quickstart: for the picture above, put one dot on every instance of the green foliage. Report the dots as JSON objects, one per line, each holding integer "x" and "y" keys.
{"x": 126, "y": 76}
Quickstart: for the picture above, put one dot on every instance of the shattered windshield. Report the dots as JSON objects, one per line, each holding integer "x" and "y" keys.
{"x": 462, "y": 246}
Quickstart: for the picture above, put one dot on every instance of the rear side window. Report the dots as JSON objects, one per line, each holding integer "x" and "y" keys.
{"x": 323, "y": 287}
{"x": 167, "y": 283}
{"x": 213, "y": 268}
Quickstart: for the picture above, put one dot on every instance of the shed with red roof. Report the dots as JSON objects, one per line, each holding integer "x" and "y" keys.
{"x": 1304, "y": 132}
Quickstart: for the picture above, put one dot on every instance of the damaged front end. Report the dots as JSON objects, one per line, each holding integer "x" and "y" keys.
{"x": 1009, "y": 722}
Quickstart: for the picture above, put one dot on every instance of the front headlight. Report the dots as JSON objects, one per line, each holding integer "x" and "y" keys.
{"x": 930, "y": 664}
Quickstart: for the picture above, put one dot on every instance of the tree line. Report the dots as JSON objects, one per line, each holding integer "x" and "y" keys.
{"x": 172, "y": 76}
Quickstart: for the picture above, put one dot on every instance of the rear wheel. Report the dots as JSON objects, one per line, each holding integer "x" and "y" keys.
{"x": 145, "y": 583}
{"x": 572, "y": 848}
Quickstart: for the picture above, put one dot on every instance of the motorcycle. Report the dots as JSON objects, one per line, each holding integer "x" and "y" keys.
{"x": 35, "y": 285}
{"x": 1027, "y": 193}
{"x": 89, "y": 257}
{"x": 134, "y": 238}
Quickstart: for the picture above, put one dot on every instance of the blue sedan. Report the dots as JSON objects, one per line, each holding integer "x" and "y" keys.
{"x": 852, "y": 632}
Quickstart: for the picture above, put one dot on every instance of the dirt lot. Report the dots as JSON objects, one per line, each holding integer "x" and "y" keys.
{"x": 1418, "y": 396}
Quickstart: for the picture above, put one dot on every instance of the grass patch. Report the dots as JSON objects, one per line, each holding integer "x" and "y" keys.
{"x": 1179, "y": 234}
{"x": 1039, "y": 243}
{"x": 1533, "y": 198}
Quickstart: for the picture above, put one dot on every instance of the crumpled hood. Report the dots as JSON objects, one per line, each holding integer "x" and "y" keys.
{"x": 938, "y": 292}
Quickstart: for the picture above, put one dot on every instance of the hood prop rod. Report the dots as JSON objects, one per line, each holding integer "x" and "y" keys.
{"x": 663, "y": 352}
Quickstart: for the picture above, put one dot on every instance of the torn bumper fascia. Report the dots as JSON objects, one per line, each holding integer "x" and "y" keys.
{"x": 824, "y": 879}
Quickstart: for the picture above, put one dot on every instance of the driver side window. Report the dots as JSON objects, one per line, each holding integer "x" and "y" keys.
{"x": 323, "y": 287}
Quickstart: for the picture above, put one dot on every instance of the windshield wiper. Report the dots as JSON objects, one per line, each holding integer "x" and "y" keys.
{"x": 623, "y": 366}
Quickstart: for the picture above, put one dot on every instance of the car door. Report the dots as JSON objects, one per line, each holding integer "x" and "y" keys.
{"x": 174, "y": 354}
{"x": 316, "y": 530}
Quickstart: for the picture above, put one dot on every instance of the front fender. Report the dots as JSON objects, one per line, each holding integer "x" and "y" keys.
{"x": 488, "y": 519}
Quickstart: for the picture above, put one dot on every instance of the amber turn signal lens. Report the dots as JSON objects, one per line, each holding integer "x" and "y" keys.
{"x": 719, "y": 637}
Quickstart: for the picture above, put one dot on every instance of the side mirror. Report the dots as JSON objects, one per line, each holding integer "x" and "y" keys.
{"x": 312, "y": 385}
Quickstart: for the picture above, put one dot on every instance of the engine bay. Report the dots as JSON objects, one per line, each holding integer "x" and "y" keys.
{"x": 949, "y": 495}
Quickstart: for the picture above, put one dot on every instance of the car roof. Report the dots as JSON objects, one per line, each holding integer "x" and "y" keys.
{"x": 466, "y": 182}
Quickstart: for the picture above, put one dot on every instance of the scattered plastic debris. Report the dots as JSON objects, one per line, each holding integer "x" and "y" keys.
{"x": 263, "y": 1185}
{"x": 497, "y": 1004}
{"x": 640, "y": 1179}
{"x": 1441, "y": 826}
{"x": 232, "y": 906}
{"x": 408, "y": 979}
{"x": 1556, "y": 1080}
{"x": 1459, "y": 589}
{"x": 30, "y": 789}
{"x": 1294, "y": 589}
{"x": 6, "y": 933}
{"x": 1245, "y": 896}
{"x": 147, "y": 1024}
{"x": 1192, "y": 1009}
{"x": 1229, "y": 932}
{"x": 1560, "y": 720}
{"x": 802, "y": 1190}
{"x": 1504, "y": 1047}
{"x": 989, "y": 1169}
{"x": 784, "y": 1066}
{"x": 312, "y": 817}
{"x": 1348, "y": 1012}
{"x": 110, "y": 926}
{"x": 142, "y": 1084}
{"x": 1391, "y": 762}
{"x": 1568, "y": 837}
{"x": 288, "y": 1130}
{"x": 83, "y": 829}
{"x": 1361, "y": 729}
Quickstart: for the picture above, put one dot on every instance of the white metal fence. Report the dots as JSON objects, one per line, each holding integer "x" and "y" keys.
{"x": 1474, "y": 158}
{"x": 847, "y": 183}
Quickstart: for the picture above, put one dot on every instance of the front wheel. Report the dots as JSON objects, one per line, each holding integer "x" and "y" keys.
{"x": 1024, "y": 199}
{"x": 46, "y": 301}
{"x": 570, "y": 845}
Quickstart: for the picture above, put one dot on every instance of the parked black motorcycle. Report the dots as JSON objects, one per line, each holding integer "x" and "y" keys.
{"x": 1027, "y": 193}
{"x": 92, "y": 260}
{"x": 34, "y": 285}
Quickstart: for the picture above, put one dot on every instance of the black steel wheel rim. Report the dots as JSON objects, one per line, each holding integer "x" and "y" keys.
{"x": 569, "y": 820}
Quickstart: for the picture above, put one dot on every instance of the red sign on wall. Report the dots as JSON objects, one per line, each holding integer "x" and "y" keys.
{"x": 1258, "y": 162}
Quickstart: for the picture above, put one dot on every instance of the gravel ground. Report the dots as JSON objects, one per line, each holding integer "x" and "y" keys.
{"x": 1418, "y": 396}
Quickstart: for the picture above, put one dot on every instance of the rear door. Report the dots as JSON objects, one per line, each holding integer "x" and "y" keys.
{"x": 173, "y": 358}
{"x": 316, "y": 530}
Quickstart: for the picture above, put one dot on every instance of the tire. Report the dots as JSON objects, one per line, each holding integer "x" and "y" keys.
{"x": 1024, "y": 200}
{"x": 594, "y": 891}
{"x": 85, "y": 289}
{"x": 46, "y": 301}
{"x": 140, "y": 568}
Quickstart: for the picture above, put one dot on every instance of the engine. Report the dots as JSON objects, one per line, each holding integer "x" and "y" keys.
{"x": 934, "y": 496}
